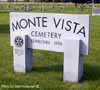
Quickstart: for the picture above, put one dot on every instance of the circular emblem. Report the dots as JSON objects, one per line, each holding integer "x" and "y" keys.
{"x": 19, "y": 41}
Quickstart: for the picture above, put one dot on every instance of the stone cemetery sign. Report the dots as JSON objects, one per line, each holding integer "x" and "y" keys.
{"x": 48, "y": 31}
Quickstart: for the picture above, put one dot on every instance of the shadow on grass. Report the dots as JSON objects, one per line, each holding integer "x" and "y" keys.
{"x": 4, "y": 11}
{"x": 53, "y": 68}
{"x": 92, "y": 72}
{"x": 4, "y": 28}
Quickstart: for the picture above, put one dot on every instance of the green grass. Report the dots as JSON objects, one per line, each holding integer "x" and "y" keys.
{"x": 48, "y": 66}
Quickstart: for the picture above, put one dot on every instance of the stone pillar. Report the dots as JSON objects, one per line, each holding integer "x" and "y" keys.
{"x": 22, "y": 54}
{"x": 73, "y": 61}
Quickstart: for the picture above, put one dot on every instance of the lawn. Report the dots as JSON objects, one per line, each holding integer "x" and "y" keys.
{"x": 47, "y": 73}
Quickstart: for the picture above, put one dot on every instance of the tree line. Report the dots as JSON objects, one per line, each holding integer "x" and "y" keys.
{"x": 83, "y": 1}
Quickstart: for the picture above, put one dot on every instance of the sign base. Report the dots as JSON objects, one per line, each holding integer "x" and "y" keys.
{"x": 22, "y": 54}
{"x": 73, "y": 61}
